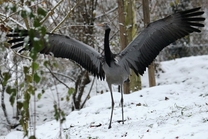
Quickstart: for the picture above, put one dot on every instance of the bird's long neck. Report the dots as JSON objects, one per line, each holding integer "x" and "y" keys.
{"x": 107, "y": 51}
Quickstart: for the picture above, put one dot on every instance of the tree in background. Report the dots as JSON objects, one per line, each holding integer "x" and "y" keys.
{"x": 84, "y": 18}
{"x": 128, "y": 30}
{"x": 151, "y": 67}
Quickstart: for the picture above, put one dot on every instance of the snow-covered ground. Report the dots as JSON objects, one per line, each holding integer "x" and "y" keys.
{"x": 175, "y": 109}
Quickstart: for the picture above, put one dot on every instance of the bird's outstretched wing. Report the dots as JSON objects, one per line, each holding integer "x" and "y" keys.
{"x": 157, "y": 35}
{"x": 65, "y": 47}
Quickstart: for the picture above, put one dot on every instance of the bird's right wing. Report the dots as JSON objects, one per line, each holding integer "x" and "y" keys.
{"x": 159, "y": 34}
{"x": 65, "y": 47}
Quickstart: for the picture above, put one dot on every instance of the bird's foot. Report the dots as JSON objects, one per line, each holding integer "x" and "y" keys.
{"x": 95, "y": 125}
{"x": 119, "y": 121}
{"x": 109, "y": 126}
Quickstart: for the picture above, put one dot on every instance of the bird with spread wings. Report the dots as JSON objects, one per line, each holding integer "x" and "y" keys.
{"x": 136, "y": 56}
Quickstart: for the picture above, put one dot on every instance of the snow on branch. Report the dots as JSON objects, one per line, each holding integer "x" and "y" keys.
{"x": 108, "y": 12}
{"x": 13, "y": 20}
{"x": 51, "y": 12}
{"x": 65, "y": 17}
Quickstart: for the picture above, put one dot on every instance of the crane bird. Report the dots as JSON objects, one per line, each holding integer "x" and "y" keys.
{"x": 136, "y": 56}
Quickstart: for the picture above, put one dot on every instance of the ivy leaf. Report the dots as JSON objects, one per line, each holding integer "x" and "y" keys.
{"x": 26, "y": 101}
{"x": 28, "y": 78}
{"x": 70, "y": 91}
{"x": 19, "y": 105}
{"x": 67, "y": 98}
{"x": 36, "y": 78}
{"x": 14, "y": 8}
{"x": 25, "y": 105}
{"x": 23, "y": 14}
{"x": 35, "y": 66}
{"x": 26, "y": 70}
{"x": 39, "y": 96}
{"x": 31, "y": 89}
{"x": 6, "y": 76}
{"x": 12, "y": 92}
{"x": 41, "y": 11}
{"x": 36, "y": 22}
{"x": 8, "y": 90}
{"x": 46, "y": 63}
{"x": 43, "y": 30}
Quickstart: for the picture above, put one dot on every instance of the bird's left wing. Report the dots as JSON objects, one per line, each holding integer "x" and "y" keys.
{"x": 159, "y": 34}
{"x": 64, "y": 47}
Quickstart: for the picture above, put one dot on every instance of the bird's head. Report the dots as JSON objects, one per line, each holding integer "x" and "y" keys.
{"x": 104, "y": 25}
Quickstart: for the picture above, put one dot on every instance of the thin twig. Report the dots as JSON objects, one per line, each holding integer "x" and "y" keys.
{"x": 88, "y": 93}
{"x": 58, "y": 109}
{"x": 62, "y": 75}
{"x": 57, "y": 78}
{"x": 65, "y": 17}
{"x": 13, "y": 20}
{"x": 26, "y": 22}
{"x": 18, "y": 54}
{"x": 51, "y": 12}
{"x": 2, "y": 100}
{"x": 108, "y": 12}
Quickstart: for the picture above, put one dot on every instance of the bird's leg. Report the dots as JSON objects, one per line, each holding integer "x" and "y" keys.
{"x": 122, "y": 103}
{"x": 112, "y": 105}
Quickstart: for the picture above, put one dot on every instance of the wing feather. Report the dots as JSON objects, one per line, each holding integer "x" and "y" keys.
{"x": 66, "y": 47}
{"x": 157, "y": 35}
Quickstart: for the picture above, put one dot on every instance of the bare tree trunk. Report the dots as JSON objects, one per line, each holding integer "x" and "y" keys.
{"x": 123, "y": 37}
{"x": 151, "y": 67}
{"x": 81, "y": 82}
{"x": 126, "y": 36}
{"x": 130, "y": 8}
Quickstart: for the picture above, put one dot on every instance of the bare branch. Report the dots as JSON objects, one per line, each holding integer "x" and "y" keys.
{"x": 51, "y": 12}
{"x": 65, "y": 17}
{"x": 88, "y": 94}
{"x": 18, "y": 54}
{"x": 108, "y": 12}
{"x": 13, "y": 20}
{"x": 57, "y": 78}
{"x": 61, "y": 75}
